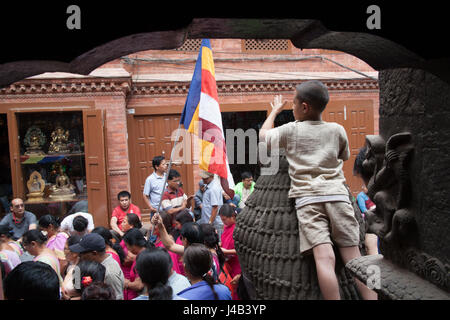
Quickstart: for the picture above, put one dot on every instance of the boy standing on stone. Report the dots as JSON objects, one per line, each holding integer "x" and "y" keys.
{"x": 316, "y": 150}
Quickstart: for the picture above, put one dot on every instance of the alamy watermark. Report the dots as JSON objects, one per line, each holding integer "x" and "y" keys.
{"x": 74, "y": 20}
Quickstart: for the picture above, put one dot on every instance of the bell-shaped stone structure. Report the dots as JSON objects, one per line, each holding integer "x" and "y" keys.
{"x": 267, "y": 242}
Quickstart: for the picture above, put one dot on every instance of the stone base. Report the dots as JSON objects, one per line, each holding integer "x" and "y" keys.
{"x": 392, "y": 282}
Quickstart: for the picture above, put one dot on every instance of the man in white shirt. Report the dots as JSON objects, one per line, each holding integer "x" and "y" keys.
{"x": 79, "y": 223}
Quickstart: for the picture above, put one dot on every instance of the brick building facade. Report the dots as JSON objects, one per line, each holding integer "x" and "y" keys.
{"x": 138, "y": 99}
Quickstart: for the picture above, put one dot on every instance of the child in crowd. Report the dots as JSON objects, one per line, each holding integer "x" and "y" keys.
{"x": 228, "y": 215}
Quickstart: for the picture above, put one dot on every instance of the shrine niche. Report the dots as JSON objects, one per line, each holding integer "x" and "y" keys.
{"x": 36, "y": 186}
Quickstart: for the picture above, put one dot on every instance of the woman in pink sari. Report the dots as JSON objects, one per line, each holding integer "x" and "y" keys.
{"x": 49, "y": 225}
{"x": 228, "y": 216}
{"x": 167, "y": 220}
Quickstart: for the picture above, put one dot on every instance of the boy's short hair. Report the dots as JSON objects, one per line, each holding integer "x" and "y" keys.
{"x": 246, "y": 175}
{"x": 122, "y": 194}
{"x": 157, "y": 161}
{"x": 173, "y": 174}
{"x": 80, "y": 223}
{"x": 313, "y": 92}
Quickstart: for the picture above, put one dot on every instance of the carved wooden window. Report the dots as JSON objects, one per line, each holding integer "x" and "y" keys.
{"x": 278, "y": 46}
{"x": 190, "y": 45}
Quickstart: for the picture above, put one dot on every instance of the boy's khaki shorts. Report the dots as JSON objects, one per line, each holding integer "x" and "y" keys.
{"x": 320, "y": 222}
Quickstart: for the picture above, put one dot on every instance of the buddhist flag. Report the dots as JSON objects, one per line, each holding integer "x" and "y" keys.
{"x": 201, "y": 116}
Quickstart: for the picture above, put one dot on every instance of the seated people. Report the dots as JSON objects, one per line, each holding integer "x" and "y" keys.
{"x": 19, "y": 219}
{"x": 125, "y": 206}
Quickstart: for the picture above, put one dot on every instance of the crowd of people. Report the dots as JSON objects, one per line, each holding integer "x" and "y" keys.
{"x": 187, "y": 252}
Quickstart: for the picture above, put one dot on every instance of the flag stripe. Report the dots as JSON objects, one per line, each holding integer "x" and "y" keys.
{"x": 209, "y": 110}
{"x": 209, "y": 85}
{"x": 207, "y": 60}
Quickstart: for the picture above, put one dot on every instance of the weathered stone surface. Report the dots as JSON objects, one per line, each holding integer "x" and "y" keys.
{"x": 393, "y": 282}
{"x": 410, "y": 185}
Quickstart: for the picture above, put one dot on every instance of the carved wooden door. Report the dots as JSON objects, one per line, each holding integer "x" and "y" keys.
{"x": 357, "y": 119}
{"x": 96, "y": 178}
{"x": 150, "y": 136}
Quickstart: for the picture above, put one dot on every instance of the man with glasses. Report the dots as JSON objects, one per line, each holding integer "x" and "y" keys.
{"x": 19, "y": 219}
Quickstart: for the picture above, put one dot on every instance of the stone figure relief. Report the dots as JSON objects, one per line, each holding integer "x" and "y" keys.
{"x": 389, "y": 187}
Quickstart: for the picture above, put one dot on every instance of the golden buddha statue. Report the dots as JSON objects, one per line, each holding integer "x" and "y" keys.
{"x": 62, "y": 189}
{"x": 58, "y": 144}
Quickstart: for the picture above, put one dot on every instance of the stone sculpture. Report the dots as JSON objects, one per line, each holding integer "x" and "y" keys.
{"x": 387, "y": 174}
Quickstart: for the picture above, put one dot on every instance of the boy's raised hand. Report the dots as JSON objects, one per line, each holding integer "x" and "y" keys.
{"x": 278, "y": 104}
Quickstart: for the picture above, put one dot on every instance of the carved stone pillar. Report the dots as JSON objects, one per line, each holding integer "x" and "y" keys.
{"x": 411, "y": 189}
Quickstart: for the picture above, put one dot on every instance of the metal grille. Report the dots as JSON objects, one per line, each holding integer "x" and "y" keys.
{"x": 190, "y": 45}
{"x": 266, "y": 45}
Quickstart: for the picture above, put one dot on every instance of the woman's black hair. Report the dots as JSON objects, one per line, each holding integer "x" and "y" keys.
{"x": 89, "y": 271}
{"x": 198, "y": 261}
{"x": 182, "y": 217}
{"x": 133, "y": 219}
{"x": 6, "y": 230}
{"x": 47, "y": 220}
{"x": 134, "y": 237}
{"x": 32, "y": 281}
{"x": 227, "y": 211}
{"x": 192, "y": 232}
{"x": 98, "y": 291}
{"x": 211, "y": 241}
{"x": 153, "y": 267}
{"x": 106, "y": 234}
{"x": 167, "y": 221}
{"x": 33, "y": 235}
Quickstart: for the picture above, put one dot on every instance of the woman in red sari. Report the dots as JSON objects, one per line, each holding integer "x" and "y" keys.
{"x": 228, "y": 216}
